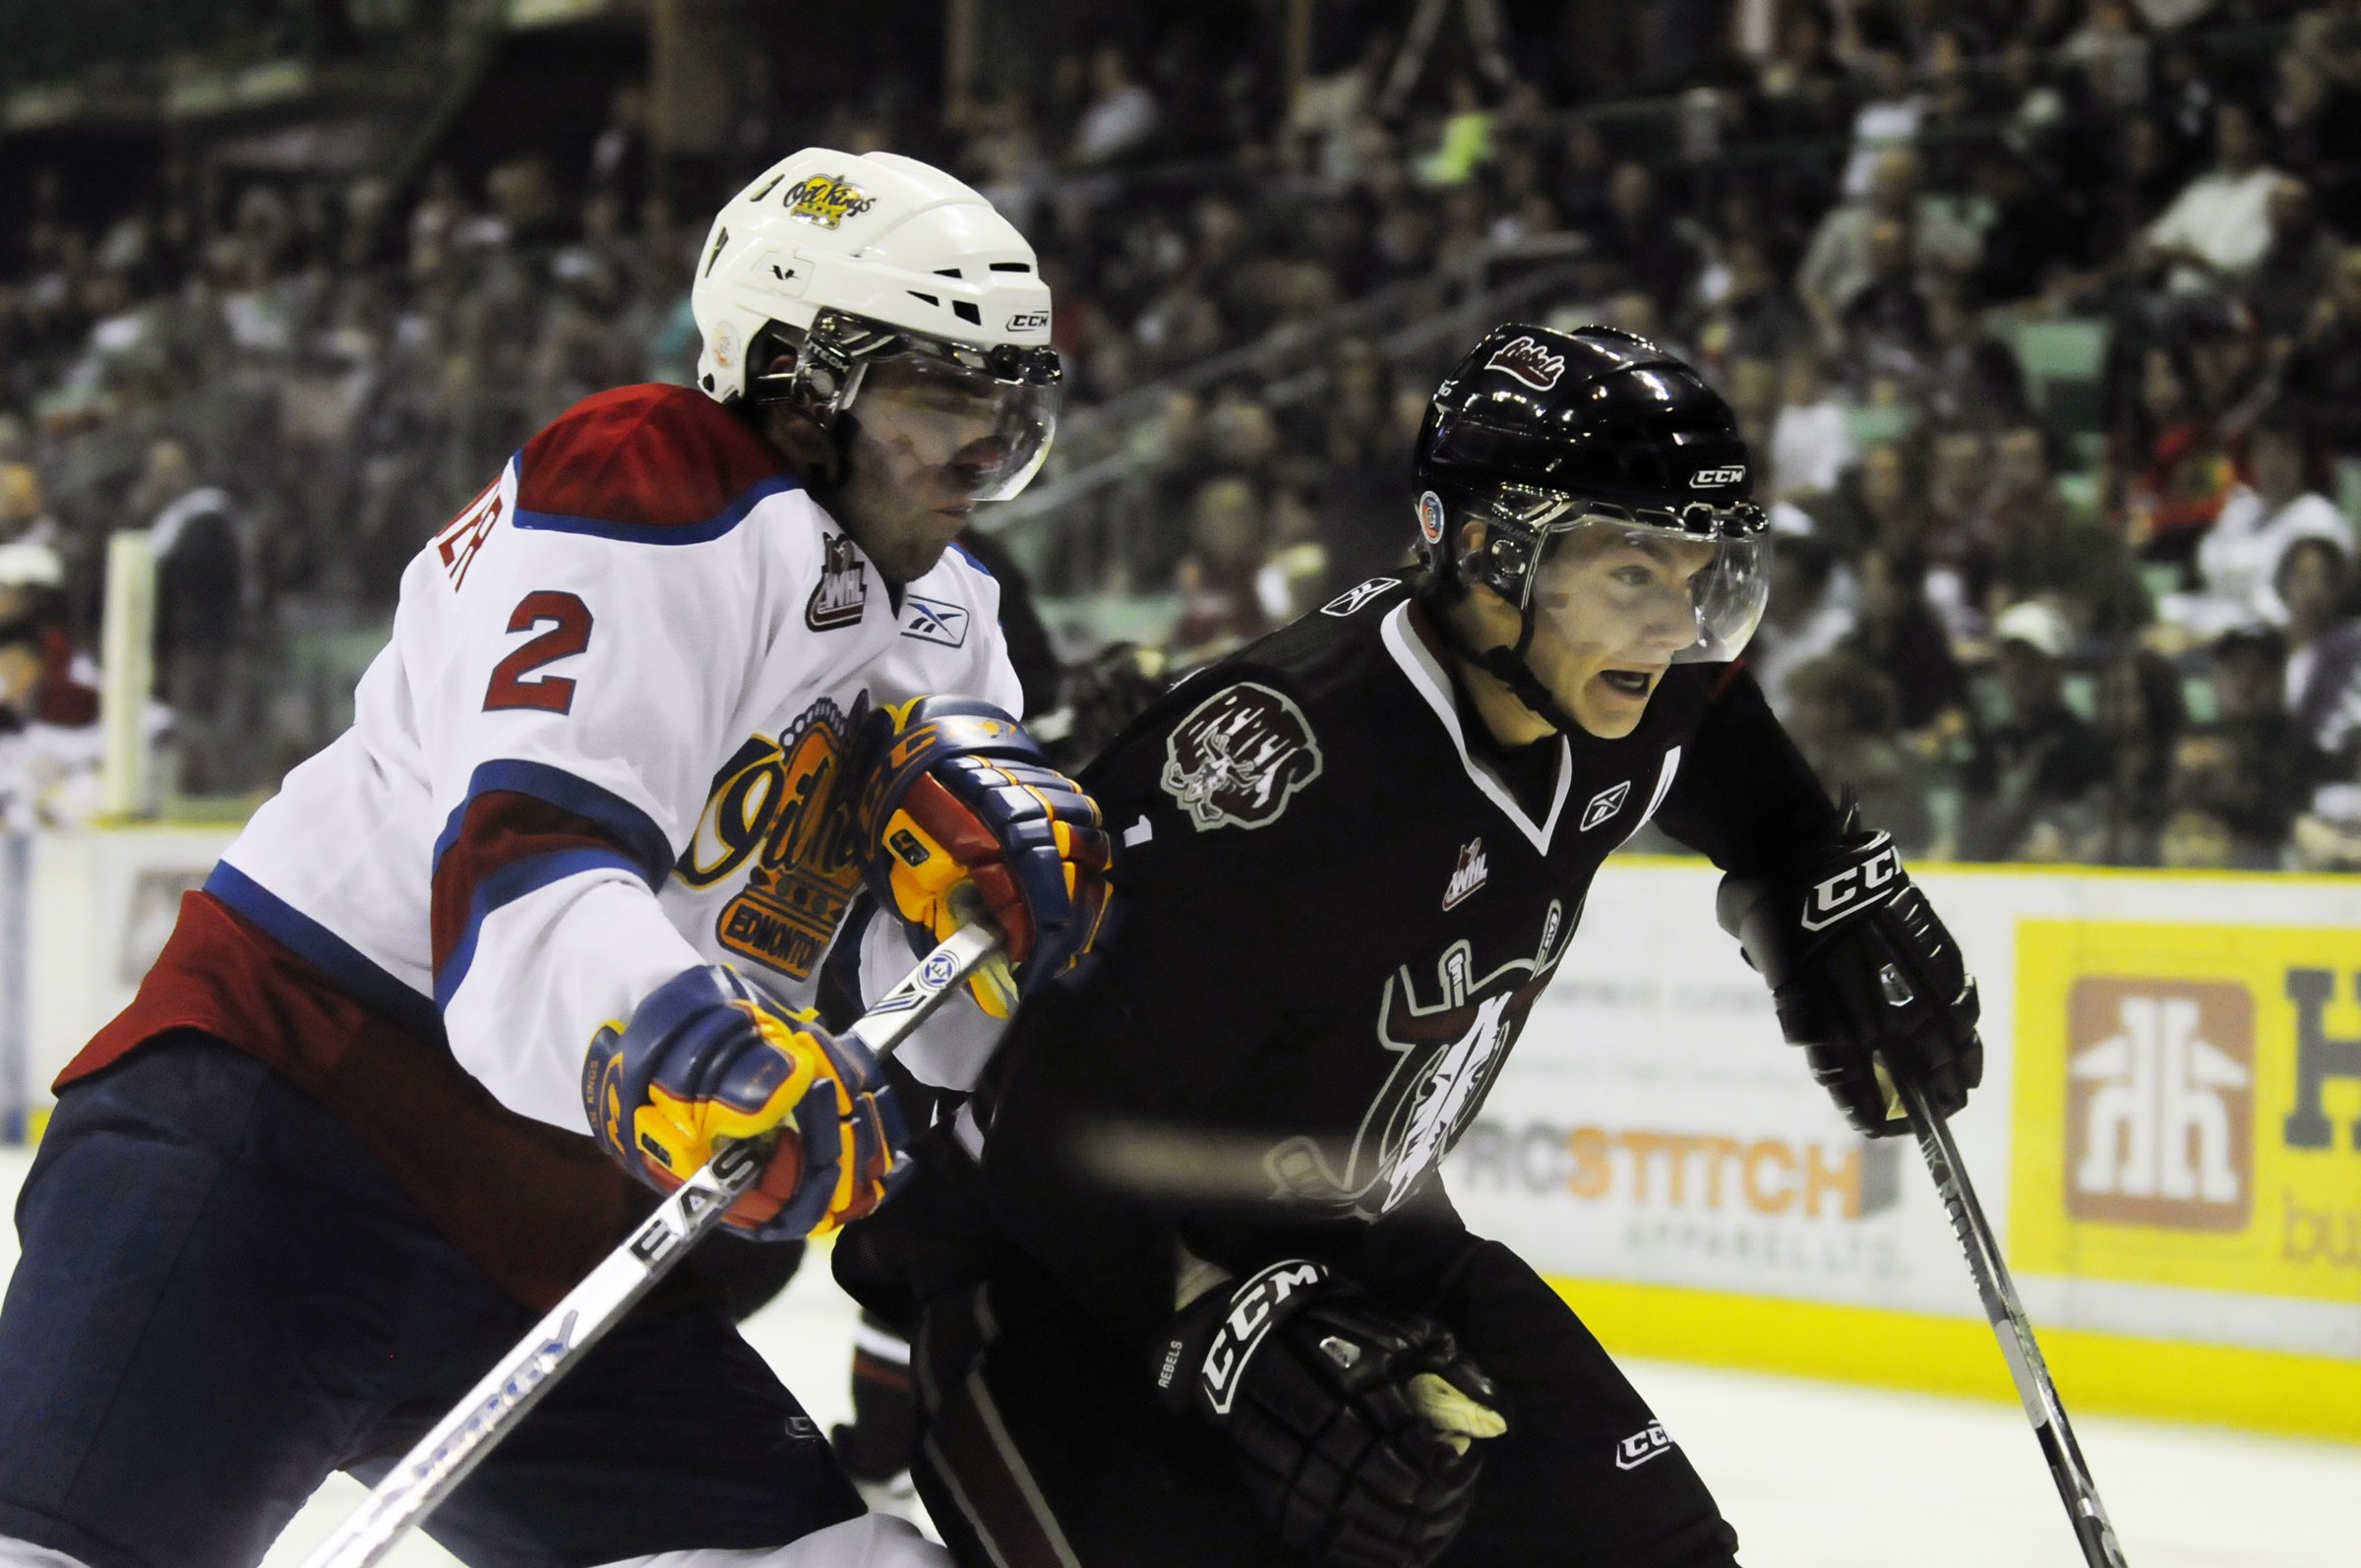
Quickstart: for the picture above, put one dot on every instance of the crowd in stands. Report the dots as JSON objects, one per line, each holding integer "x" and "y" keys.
{"x": 2044, "y": 319}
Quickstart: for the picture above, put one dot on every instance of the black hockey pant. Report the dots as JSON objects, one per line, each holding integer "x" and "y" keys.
{"x": 1045, "y": 1449}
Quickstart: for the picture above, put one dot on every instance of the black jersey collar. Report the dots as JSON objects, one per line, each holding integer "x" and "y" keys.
{"x": 1428, "y": 677}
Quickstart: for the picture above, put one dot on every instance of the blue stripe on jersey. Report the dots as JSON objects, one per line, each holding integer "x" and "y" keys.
{"x": 354, "y": 974}
{"x": 507, "y": 886}
{"x": 634, "y": 832}
{"x": 713, "y": 528}
{"x": 969, "y": 555}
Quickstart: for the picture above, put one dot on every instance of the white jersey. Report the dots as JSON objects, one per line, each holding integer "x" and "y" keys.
{"x": 603, "y": 744}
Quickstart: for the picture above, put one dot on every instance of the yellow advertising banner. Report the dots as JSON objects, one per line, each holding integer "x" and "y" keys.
{"x": 2189, "y": 1105}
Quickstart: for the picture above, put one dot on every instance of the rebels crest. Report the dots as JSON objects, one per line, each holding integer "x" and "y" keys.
{"x": 1236, "y": 759}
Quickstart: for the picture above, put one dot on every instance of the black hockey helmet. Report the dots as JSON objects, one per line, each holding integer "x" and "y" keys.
{"x": 1547, "y": 436}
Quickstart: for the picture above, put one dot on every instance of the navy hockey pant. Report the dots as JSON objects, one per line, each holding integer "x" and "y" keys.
{"x": 224, "y": 1297}
{"x": 1045, "y": 1448}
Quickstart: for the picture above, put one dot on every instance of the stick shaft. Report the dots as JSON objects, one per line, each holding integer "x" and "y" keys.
{"x": 2034, "y": 1388}
{"x": 460, "y": 1440}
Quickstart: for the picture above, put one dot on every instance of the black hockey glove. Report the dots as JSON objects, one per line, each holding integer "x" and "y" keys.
{"x": 1860, "y": 969}
{"x": 1353, "y": 1422}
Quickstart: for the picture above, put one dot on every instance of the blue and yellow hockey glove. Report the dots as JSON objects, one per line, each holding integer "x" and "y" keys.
{"x": 952, "y": 794}
{"x": 710, "y": 1058}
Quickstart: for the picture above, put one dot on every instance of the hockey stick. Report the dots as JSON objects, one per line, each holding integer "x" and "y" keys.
{"x": 459, "y": 1442}
{"x": 2035, "y": 1389}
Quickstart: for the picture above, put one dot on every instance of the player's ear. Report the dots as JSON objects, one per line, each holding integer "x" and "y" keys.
{"x": 810, "y": 452}
{"x": 1472, "y": 535}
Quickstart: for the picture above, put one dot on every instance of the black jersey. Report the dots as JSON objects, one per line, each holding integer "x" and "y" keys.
{"x": 1337, "y": 899}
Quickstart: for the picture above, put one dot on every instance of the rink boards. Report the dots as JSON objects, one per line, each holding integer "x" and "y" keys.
{"x": 2168, "y": 1135}
{"x": 2168, "y": 1132}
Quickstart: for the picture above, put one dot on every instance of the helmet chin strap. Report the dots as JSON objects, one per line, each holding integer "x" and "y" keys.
{"x": 1505, "y": 665}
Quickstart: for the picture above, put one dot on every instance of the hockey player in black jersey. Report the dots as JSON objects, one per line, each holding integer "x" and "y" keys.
{"x": 1193, "y": 1290}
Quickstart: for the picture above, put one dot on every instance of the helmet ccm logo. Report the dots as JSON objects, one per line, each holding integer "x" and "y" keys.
{"x": 826, "y": 200}
{"x": 1710, "y": 478}
{"x": 1029, "y": 321}
{"x": 1529, "y": 362}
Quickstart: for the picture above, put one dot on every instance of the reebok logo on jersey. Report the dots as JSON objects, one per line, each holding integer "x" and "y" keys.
{"x": 1529, "y": 362}
{"x": 1238, "y": 756}
{"x": 1353, "y": 598}
{"x": 1467, "y": 875}
{"x": 933, "y": 621}
{"x": 1642, "y": 1446}
{"x": 841, "y": 595}
{"x": 1604, "y": 804}
{"x": 1855, "y": 888}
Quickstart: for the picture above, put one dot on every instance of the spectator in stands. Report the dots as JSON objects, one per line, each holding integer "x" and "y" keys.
{"x": 1968, "y": 376}
{"x": 1899, "y": 634}
{"x": 2219, "y": 226}
{"x": 1840, "y": 709}
{"x": 2322, "y": 380}
{"x": 2178, "y": 474}
{"x": 200, "y": 587}
{"x": 2238, "y": 559}
{"x": 1840, "y": 263}
{"x": 2323, "y": 647}
{"x": 2043, "y": 548}
{"x": 24, "y": 515}
{"x": 1654, "y": 246}
{"x": 2140, "y": 716}
{"x": 1755, "y": 317}
{"x": 1121, "y": 117}
{"x": 1811, "y": 444}
{"x": 1220, "y": 605}
{"x": 1885, "y": 326}
{"x": 2040, "y": 756}
{"x": 2295, "y": 269}
{"x": 1810, "y": 612}
{"x": 2252, "y": 766}
{"x": 1359, "y": 493}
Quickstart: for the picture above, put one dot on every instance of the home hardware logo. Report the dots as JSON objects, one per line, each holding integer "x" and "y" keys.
{"x": 2161, "y": 1103}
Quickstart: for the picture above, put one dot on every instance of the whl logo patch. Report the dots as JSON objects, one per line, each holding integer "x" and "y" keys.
{"x": 1467, "y": 877}
{"x": 1529, "y": 362}
{"x": 1649, "y": 1442}
{"x": 841, "y": 595}
{"x": 2160, "y": 1103}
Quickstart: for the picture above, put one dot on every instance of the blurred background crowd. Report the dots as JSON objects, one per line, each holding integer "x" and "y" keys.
{"x": 2042, "y": 317}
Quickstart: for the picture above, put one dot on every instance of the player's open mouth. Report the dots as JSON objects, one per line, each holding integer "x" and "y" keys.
{"x": 1630, "y": 682}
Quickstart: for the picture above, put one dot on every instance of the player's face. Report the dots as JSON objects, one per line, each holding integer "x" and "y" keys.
{"x": 1611, "y": 609}
{"x": 928, "y": 442}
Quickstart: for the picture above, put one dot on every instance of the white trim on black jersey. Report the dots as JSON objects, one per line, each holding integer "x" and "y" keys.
{"x": 1435, "y": 686}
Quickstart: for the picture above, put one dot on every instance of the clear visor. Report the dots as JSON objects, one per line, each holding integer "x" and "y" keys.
{"x": 983, "y": 434}
{"x": 1644, "y": 595}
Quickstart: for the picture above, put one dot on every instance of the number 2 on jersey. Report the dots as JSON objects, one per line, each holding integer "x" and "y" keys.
{"x": 513, "y": 686}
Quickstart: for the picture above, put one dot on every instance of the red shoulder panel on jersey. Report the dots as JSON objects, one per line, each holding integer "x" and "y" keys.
{"x": 648, "y": 456}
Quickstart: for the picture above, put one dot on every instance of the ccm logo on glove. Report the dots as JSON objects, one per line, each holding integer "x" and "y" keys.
{"x": 1244, "y": 1328}
{"x": 1854, "y": 889}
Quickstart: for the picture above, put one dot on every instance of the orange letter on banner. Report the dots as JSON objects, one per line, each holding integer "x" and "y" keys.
{"x": 1783, "y": 1198}
{"x": 1594, "y": 1172}
{"x": 1844, "y": 1183}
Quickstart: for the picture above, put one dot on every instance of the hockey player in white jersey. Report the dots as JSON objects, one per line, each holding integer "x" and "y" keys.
{"x": 542, "y": 923}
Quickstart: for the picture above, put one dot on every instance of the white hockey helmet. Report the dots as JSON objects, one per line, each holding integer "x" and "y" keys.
{"x": 872, "y": 260}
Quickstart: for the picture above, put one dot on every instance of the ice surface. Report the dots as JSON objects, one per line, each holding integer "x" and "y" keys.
{"x": 1814, "y": 1474}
